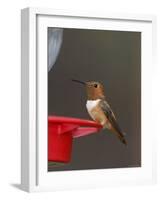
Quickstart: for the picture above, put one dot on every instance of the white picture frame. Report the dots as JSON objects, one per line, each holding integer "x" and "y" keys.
{"x": 34, "y": 174}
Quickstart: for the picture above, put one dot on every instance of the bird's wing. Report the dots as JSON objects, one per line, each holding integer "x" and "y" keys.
{"x": 112, "y": 119}
{"x": 108, "y": 111}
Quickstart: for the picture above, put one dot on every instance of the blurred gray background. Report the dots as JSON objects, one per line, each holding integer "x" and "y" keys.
{"x": 113, "y": 58}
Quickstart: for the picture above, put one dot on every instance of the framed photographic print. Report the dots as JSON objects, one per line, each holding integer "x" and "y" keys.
{"x": 86, "y": 99}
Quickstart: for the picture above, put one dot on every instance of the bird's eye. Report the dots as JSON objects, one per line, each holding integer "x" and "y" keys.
{"x": 95, "y": 85}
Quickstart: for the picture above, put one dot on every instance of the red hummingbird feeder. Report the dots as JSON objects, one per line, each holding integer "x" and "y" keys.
{"x": 62, "y": 131}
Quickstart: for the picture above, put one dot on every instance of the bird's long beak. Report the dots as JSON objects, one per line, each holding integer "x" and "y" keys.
{"x": 78, "y": 81}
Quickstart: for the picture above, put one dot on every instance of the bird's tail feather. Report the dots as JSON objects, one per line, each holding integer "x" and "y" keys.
{"x": 120, "y": 135}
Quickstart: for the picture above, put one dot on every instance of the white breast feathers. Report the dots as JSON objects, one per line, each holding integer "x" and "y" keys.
{"x": 91, "y": 104}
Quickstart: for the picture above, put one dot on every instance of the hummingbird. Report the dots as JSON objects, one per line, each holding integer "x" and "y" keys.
{"x": 99, "y": 109}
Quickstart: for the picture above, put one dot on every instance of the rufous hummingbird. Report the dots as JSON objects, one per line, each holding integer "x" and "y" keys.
{"x": 99, "y": 109}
